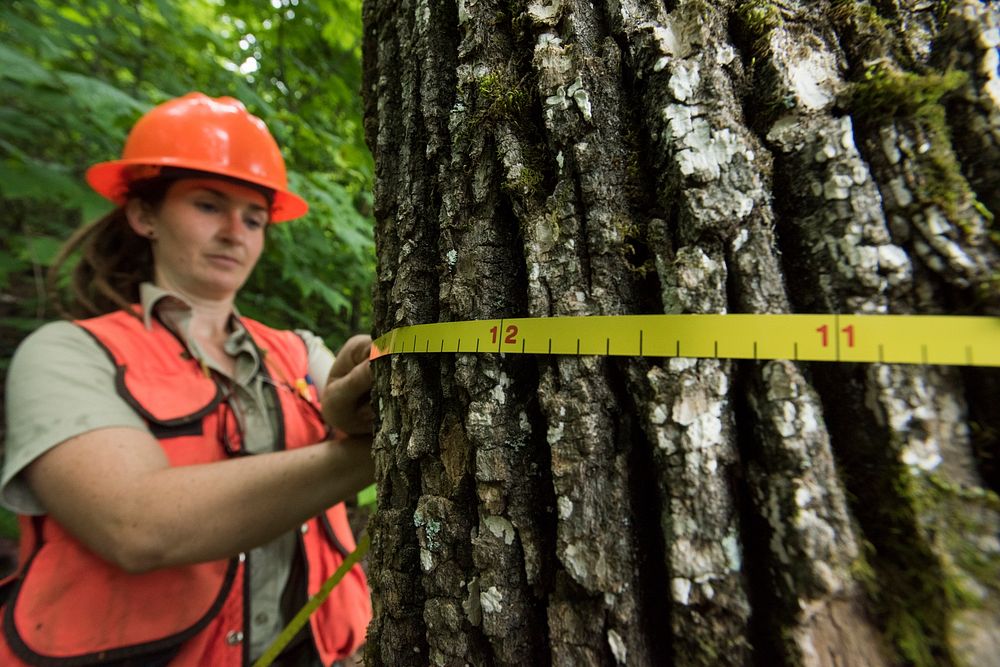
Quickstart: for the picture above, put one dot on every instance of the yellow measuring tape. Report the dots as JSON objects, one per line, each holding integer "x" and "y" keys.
{"x": 301, "y": 618}
{"x": 891, "y": 339}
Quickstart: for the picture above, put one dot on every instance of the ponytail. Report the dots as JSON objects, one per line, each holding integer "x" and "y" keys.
{"x": 113, "y": 260}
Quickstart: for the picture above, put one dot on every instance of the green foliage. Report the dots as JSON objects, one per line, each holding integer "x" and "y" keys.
{"x": 367, "y": 496}
{"x": 8, "y": 525}
{"x": 74, "y": 77}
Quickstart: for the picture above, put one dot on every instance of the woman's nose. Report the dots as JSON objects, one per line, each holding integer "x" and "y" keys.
{"x": 234, "y": 226}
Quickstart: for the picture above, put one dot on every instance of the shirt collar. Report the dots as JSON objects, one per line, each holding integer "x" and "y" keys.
{"x": 151, "y": 296}
{"x": 175, "y": 314}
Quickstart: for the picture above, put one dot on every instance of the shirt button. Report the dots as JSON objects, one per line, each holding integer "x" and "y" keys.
{"x": 304, "y": 528}
{"x": 261, "y": 618}
{"x": 234, "y": 637}
{"x": 243, "y": 557}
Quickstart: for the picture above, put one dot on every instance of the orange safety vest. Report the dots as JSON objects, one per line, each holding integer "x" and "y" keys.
{"x": 70, "y": 607}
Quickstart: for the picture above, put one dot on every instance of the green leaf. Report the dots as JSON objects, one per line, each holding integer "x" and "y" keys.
{"x": 36, "y": 180}
{"x": 10, "y": 264}
{"x": 41, "y": 249}
{"x": 96, "y": 95}
{"x": 8, "y": 525}
{"x": 367, "y": 496}
{"x": 32, "y": 181}
{"x": 17, "y": 125}
{"x": 18, "y": 67}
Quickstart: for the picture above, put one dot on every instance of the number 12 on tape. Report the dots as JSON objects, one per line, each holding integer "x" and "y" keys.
{"x": 905, "y": 339}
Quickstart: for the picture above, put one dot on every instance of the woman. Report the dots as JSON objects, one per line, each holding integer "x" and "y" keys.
{"x": 179, "y": 491}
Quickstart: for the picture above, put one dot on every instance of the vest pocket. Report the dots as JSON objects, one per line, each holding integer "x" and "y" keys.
{"x": 71, "y": 608}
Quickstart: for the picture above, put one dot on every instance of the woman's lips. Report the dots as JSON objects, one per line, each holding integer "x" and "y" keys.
{"x": 225, "y": 260}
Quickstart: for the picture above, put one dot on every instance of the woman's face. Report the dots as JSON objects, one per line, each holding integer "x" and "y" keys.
{"x": 207, "y": 236}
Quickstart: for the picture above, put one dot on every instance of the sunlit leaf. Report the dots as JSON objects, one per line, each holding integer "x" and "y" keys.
{"x": 367, "y": 496}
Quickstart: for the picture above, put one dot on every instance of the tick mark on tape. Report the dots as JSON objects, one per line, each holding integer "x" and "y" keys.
{"x": 716, "y": 349}
{"x": 755, "y": 350}
{"x": 578, "y": 346}
{"x": 836, "y": 338}
{"x": 923, "y": 353}
{"x": 640, "y": 342}
{"x": 795, "y": 351}
{"x": 881, "y": 354}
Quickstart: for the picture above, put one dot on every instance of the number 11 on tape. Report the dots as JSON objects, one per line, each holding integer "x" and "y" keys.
{"x": 904, "y": 339}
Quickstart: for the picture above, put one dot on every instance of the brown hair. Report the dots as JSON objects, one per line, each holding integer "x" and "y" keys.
{"x": 114, "y": 260}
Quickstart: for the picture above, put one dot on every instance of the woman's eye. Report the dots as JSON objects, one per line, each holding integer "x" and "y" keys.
{"x": 254, "y": 223}
{"x": 206, "y": 206}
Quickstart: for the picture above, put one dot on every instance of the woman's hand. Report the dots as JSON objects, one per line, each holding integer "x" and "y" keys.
{"x": 347, "y": 395}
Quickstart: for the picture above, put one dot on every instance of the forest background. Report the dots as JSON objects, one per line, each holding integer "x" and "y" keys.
{"x": 75, "y": 76}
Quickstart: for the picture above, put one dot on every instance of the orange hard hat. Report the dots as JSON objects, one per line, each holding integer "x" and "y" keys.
{"x": 213, "y": 135}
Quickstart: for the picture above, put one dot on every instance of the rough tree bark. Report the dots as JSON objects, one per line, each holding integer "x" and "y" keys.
{"x": 563, "y": 157}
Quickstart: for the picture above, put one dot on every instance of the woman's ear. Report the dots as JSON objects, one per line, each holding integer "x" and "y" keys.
{"x": 137, "y": 212}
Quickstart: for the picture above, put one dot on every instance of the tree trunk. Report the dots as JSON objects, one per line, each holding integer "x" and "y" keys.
{"x": 561, "y": 157}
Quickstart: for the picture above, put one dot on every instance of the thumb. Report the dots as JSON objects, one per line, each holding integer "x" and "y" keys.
{"x": 356, "y": 350}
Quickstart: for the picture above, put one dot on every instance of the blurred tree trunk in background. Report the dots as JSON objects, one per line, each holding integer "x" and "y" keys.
{"x": 564, "y": 157}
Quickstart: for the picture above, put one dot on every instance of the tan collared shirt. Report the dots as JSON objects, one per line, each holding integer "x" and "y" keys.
{"x": 61, "y": 384}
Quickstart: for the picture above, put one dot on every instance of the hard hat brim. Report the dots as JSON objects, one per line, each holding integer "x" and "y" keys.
{"x": 111, "y": 181}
